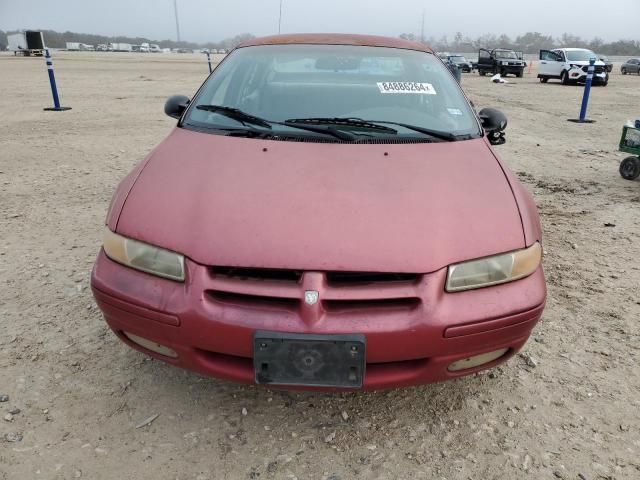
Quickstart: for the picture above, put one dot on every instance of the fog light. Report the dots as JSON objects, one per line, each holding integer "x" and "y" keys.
{"x": 151, "y": 345}
{"x": 477, "y": 360}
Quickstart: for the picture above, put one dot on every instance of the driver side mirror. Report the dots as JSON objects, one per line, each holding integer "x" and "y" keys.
{"x": 494, "y": 122}
{"x": 176, "y": 105}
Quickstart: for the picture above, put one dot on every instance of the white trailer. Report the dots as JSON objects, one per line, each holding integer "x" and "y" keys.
{"x": 121, "y": 47}
{"x": 29, "y": 42}
{"x": 73, "y": 46}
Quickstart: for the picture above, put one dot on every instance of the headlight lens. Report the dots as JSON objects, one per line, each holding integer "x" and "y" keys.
{"x": 494, "y": 270}
{"x": 144, "y": 257}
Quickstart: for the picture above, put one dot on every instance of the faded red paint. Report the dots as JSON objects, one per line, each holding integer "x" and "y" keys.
{"x": 337, "y": 39}
{"x": 318, "y": 207}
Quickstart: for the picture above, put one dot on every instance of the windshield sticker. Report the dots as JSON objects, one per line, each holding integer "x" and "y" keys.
{"x": 416, "y": 88}
{"x": 454, "y": 111}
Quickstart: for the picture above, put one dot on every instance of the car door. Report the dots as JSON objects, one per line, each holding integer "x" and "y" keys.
{"x": 484, "y": 59}
{"x": 550, "y": 63}
{"x": 635, "y": 65}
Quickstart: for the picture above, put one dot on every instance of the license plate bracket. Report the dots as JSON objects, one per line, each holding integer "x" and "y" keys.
{"x": 336, "y": 361}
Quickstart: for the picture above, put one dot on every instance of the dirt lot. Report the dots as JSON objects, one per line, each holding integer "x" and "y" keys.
{"x": 571, "y": 412}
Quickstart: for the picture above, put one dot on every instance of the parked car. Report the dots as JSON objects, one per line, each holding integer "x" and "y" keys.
{"x": 570, "y": 65}
{"x": 500, "y": 61}
{"x": 462, "y": 63}
{"x": 608, "y": 64}
{"x": 319, "y": 223}
{"x": 631, "y": 66}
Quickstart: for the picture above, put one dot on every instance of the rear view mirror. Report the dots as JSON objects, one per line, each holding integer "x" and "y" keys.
{"x": 494, "y": 123}
{"x": 337, "y": 64}
{"x": 176, "y": 105}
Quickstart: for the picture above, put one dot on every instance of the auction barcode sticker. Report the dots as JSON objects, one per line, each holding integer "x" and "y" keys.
{"x": 407, "y": 88}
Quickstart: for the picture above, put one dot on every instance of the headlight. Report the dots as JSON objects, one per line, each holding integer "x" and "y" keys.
{"x": 147, "y": 258}
{"x": 503, "y": 268}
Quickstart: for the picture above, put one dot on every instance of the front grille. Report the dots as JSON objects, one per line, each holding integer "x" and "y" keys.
{"x": 257, "y": 274}
{"x": 253, "y": 301}
{"x": 390, "y": 304}
{"x": 338, "y": 292}
{"x": 597, "y": 69}
{"x": 352, "y": 278}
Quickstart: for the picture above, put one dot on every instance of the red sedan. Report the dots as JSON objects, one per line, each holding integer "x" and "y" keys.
{"x": 328, "y": 213}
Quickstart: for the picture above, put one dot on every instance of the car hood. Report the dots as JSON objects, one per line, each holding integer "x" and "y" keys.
{"x": 323, "y": 206}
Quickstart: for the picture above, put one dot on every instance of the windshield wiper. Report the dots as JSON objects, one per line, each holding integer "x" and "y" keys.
{"x": 449, "y": 137}
{"x": 346, "y": 121}
{"x": 236, "y": 114}
{"x": 246, "y": 118}
{"x": 376, "y": 125}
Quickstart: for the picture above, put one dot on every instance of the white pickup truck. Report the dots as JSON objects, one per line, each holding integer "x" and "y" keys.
{"x": 570, "y": 65}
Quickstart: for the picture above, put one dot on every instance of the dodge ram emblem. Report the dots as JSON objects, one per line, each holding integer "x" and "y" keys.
{"x": 311, "y": 297}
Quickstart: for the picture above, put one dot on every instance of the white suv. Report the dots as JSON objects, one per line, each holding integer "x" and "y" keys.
{"x": 570, "y": 65}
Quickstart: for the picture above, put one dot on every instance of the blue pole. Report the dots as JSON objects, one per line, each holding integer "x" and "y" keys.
{"x": 52, "y": 81}
{"x": 587, "y": 89}
{"x": 209, "y": 60}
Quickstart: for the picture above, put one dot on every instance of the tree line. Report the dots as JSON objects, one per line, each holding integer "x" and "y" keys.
{"x": 530, "y": 42}
{"x": 55, "y": 39}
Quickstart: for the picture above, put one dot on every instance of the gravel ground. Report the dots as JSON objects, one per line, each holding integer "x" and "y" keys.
{"x": 567, "y": 407}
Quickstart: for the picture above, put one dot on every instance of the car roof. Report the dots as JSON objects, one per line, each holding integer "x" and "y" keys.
{"x": 573, "y": 49}
{"x": 336, "y": 39}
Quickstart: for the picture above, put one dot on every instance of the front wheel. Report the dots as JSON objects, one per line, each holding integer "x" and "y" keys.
{"x": 624, "y": 72}
{"x": 630, "y": 168}
{"x": 520, "y": 73}
{"x": 564, "y": 78}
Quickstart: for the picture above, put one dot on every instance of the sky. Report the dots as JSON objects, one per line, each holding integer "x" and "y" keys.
{"x": 214, "y": 20}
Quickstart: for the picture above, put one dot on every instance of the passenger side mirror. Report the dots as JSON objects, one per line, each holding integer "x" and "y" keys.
{"x": 494, "y": 122}
{"x": 176, "y": 105}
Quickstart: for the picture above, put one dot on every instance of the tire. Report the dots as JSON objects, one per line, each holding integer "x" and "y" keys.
{"x": 564, "y": 78}
{"x": 520, "y": 73}
{"x": 482, "y": 73}
{"x": 543, "y": 79}
{"x": 623, "y": 71}
{"x": 630, "y": 168}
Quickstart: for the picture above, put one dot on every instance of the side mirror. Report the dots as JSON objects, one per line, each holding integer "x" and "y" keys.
{"x": 176, "y": 105}
{"x": 494, "y": 123}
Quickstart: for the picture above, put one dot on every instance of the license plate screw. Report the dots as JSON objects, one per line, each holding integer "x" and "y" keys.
{"x": 263, "y": 345}
{"x": 354, "y": 348}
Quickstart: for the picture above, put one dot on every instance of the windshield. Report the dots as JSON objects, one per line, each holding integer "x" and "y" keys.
{"x": 506, "y": 54}
{"x": 580, "y": 55}
{"x": 283, "y": 82}
{"x": 458, "y": 59}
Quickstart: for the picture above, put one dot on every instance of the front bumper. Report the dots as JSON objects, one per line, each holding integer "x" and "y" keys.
{"x": 579, "y": 76}
{"x": 512, "y": 69}
{"x": 404, "y": 346}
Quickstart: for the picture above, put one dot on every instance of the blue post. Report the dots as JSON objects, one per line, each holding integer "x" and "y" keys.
{"x": 209, "y": 60}
{"x": 52, "y": 81}
{"x": 587, "y": 91}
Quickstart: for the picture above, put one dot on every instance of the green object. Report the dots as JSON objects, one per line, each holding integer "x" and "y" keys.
{"x": 630, "y": 141}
